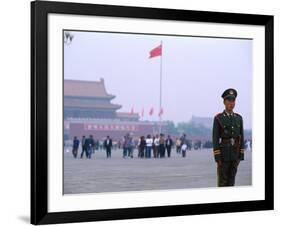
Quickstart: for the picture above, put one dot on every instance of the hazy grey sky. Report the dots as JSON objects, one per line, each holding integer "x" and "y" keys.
{"x": 195, "y": 72}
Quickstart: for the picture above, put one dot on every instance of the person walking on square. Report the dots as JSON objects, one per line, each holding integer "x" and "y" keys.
{"x": 228, "y": 140}
{"x": 178, "y": 145}
{"x": 131, "y": 146}
{"x": 148, "y": 147}
{"x": 142, "y": 145}
{"x": 138, "y": 146}
{"x": 162, "y": 146}
{"x": 90, "y": 144}
{"x": 75, "y": 147}
{"x": 84, "y": 149}
{"x": 169, "y": 144}
{"x": 156, "y": 152}
{"x": 153, "y": 147}
{"x": 108, "y": 145}
{"x": 126, "y": 146}
{"x": 183, "y": 149}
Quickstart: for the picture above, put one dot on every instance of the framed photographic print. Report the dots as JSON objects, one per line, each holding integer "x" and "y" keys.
{"x": 145, "y": 112}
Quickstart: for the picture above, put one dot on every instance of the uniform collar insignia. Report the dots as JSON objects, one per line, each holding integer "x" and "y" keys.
{"x": 226, "y": 113}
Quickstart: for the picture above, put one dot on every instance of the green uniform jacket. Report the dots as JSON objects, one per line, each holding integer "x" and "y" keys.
{"x": 226, "y": 127}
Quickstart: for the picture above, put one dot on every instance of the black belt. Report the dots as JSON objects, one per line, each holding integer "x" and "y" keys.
{"x": 228, "y": 140}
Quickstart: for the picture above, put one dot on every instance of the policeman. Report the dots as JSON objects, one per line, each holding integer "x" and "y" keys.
{"x": 228, "y": 140}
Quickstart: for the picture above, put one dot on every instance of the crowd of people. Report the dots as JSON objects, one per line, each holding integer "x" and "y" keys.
{"x": 89, "y": 146}
{"x": 157, "y": 146}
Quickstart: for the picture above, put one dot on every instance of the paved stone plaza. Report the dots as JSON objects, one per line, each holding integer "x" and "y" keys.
{"x": 197, "y": 170}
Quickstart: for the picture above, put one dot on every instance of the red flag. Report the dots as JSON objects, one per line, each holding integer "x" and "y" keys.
{"x": 161, "y": 112}
{"x": 156, "y": 52}
{"x": 151, "y": 112}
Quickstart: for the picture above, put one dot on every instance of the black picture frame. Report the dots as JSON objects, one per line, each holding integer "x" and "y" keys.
{"x": 39, "y": 112}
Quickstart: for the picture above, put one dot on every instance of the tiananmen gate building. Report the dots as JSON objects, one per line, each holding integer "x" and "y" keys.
{"x": 88, "y": 110}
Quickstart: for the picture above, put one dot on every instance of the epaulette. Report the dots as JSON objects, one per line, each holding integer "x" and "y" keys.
{"x": 237, "y": 115}
{"x": 218, "y": 119}
{"x": 217, "y": 115}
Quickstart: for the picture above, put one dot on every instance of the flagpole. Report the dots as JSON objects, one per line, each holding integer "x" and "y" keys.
{"x": 160, "y": 95}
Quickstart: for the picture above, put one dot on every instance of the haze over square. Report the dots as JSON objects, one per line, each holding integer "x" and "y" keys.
{"x": 195, "y": 72}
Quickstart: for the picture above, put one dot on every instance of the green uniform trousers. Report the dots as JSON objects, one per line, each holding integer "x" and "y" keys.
{"x": 226, "y": 173}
